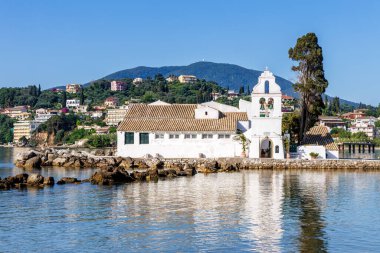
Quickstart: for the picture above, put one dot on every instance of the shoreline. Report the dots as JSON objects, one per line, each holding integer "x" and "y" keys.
{"x": 73, "y": 158}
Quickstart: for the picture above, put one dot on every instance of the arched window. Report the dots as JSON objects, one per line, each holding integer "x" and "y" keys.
{"x": 270, "y": 103}
{"x": 266, "y": 87}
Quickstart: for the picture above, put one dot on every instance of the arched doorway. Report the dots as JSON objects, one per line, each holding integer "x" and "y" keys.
{"x": 266, "y": 148}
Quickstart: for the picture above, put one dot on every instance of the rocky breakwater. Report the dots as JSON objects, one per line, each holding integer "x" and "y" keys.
{"x": 156, "y": 171}
{"x": 24, "y": 180}
{"x": 74, "y": 159}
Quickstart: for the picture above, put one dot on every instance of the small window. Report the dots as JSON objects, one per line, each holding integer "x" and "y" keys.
{"x": 129, "y": 138}
{"x": 207, "y": 136}
{"x": 144, "y": 138}
{"x": 277, "y": 149}
{"x": 173, "y": 136}
{"x": 190, "y": 136}
{"x": 159, "y": 136}
{"x": 206, "y": 113}
{"x": 224, "y": 136}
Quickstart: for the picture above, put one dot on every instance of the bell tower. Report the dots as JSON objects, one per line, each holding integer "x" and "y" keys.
{"x": 266, "y": 118}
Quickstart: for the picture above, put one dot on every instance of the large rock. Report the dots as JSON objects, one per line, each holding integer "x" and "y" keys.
{"x": 78, "y": 163}
{"x": 189, "y": 170}
{"x": 51, "y": 157}
{"x": 20, "y": 163}
{"x": 5, "y": 185}
{"x": 68, "y": 180}
{"x": 18, "y": 179}
{"x": 111, "y": 176}
{"x": 209, "y": 167}
{"x": 155, "y": 164}
{"x": 49, "y": 181}
{"x": 127, "y": 163}
{"x": 33, "y": 163}
{"x": 59, "y": 161}
{"x": 35, "y": 179}
{"x": 152, "y": 175}
{"x": 139, "y": 176}
{"x": 27, "y": 155}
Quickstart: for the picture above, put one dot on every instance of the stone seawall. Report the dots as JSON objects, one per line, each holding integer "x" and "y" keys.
{"x": 75, "y": 159}
{"x": 285, "y": 164}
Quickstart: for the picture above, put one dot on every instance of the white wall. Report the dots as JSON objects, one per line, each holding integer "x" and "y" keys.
{"x": 304, "y": 151}
{"x": 179, "y": 148}
{"x": 332, "y": 154}
{"x": 205, "y": 112}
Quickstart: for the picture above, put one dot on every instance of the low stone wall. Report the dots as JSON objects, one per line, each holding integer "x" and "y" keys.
{"x": 285, "y": 164}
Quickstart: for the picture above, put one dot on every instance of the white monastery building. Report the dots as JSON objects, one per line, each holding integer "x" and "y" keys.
{"x": 206, "y": 130}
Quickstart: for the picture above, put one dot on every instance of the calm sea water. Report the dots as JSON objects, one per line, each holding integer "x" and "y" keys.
{"x": 249, "y": 211}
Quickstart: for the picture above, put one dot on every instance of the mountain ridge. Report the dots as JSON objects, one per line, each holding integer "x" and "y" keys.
{"x": 225, "y": 74}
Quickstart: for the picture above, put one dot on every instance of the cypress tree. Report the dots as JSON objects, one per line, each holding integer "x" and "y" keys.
{"x": 312, "y": 82}
{"x": 64, "y": 98}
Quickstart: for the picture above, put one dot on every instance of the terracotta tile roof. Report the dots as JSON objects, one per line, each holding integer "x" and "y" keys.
{"x": 320, "y": 135}
{"x": 287, "y": 97}
{"x": 177, "y": 118}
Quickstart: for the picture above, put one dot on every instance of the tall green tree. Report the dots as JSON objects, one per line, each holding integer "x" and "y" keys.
{"x": 81, "y": 96}
{"x": 336, "y": 105}
{"x": 311, "y": 82}
{"x": 241, "y": 90}
{"x": 64, "y": 98}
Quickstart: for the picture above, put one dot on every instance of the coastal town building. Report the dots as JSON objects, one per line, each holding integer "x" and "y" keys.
{"x": 288, "y": 103}
{"x": 117, "y": 85}
{"x": 171, "y": 78}
{"x": 187, "y": 79}
{"x": 206, "y": 130}
{"x": 231, "y": 94}
{"x": 111, "y": 102}
{"x": 72, "y": 103}
{"x": 17, "y": 112}
{"x": 332, "y": 122}
{"x": 42, "y": 114}
{"x": 318, "y": 141}
{"x": 24, "y": 129}
{"x": 73, "y": 88}
{"x": 81, "y": 109}
{"x": 95, "y": 114}
{"x": 359, "y": 113}
{"x": 116, "y": 115}
{"x": 215, "y": 95}
{"x": 365, "y": 125}
{"x": 137, "y": 81}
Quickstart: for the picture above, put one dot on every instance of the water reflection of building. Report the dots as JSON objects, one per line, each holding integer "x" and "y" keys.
{"x": 263, "y": 209}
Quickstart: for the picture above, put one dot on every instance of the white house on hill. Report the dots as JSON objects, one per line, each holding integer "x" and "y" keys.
{"x": 207, "y": 130}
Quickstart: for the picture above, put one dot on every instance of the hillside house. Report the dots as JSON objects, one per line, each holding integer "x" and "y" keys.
{"x": 117, "y": 86}
{"x": 73, "y": 88}
{"x": 187, "y": 79}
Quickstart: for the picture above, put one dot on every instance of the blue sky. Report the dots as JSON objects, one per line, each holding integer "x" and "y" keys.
{"x": 58, "y": 42}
